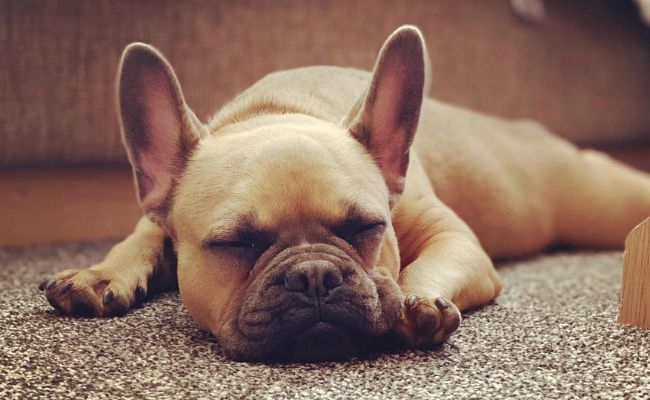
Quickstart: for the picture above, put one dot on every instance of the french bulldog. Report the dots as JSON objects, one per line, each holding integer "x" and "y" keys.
{"x": 326, "y": 207}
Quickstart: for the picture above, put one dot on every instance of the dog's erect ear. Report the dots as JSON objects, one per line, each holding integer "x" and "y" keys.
{"x": 386, "y": 119}
{"x": 159, "y": 130}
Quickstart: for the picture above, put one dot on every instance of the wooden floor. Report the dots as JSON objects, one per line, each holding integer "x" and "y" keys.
{"x": 71, "y": 204}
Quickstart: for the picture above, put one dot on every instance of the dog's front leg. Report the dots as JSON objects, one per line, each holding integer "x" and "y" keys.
{"x": 445, "y": 270}
{"x": 140, "y": 265}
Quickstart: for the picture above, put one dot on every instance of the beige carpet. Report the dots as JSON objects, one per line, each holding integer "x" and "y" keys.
{"x": 550, "y": 335}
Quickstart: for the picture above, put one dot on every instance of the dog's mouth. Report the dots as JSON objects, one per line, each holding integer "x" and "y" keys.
{"x": 321, "y": 342}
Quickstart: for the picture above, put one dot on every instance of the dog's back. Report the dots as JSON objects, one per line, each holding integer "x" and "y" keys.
{"x": 514, "y": 183}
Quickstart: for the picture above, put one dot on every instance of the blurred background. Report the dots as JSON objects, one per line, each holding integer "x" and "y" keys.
{"x": 580, "y": 67}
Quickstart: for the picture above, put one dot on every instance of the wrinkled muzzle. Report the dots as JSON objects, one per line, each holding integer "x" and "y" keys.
{"x": 311, "y": 306}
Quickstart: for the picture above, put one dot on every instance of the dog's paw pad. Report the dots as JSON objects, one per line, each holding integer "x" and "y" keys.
{"x": 86, "y": 293}
{"x": 427, "y": 322}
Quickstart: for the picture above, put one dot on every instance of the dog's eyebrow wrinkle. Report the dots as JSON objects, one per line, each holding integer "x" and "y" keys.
{"x": 354, "y": 212}
{"x": 241, "y": 225}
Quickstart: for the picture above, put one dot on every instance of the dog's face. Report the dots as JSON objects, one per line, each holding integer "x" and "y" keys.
{"x": 282, "y": 223}
{"x": 280, "y": 255}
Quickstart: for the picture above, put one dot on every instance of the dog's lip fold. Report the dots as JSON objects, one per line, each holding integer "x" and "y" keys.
{"x": 315, "y": 341}
{"x": 289, "y": 320}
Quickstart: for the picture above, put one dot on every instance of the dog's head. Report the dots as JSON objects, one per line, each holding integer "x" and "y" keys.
{"x": 282, "y": 223}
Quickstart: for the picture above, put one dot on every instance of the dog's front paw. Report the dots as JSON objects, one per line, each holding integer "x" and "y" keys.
{"x": 92, "y": 293}
{"x": 427, "y": 322}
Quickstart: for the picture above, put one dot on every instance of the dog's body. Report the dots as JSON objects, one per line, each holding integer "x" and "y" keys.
{"x": 298, "y": 232}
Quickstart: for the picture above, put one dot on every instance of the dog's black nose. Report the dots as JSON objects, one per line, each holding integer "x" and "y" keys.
{"x": 314, "y": 278}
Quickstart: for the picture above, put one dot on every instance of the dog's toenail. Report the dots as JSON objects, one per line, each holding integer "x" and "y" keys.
{"x": 140, "y": 294}
{"x": 49, "y": 284}
{"x": 442, "y": 303}
{"x": 108, "y": 296}
{"x": 54, "y": 304}
{"x": 65, "y": 288}
{"x": 43, "y": 285}
{"x": 411, "y": 301}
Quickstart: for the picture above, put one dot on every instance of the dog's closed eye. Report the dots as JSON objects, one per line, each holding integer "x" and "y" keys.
{"x": 359, "y": 232}
{"x": 218, "y": 244}
{"x": 249, "y": 244}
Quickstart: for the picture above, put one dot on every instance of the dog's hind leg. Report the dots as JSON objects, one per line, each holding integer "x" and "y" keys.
{"x": 142, "y": 264}
{"x": 598, "y": 200}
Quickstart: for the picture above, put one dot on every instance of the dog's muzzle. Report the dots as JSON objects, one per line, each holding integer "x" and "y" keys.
{"x": 311, "y": 306}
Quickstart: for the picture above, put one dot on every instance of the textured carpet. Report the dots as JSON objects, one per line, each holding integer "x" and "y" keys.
{"x": 551, "y": 334}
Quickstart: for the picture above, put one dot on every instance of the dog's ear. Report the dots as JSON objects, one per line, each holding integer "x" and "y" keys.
{"x": 159, "y": 130}
{"x": 386, "y": 119}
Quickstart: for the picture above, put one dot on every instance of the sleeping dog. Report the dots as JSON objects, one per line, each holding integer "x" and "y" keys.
{"x": 325, "y": 207}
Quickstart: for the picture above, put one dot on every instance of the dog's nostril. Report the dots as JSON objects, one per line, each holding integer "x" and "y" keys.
{"x": 295, "y": 281}
{"x": 315, "y": 278}
{"x": 332, "y": 279}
